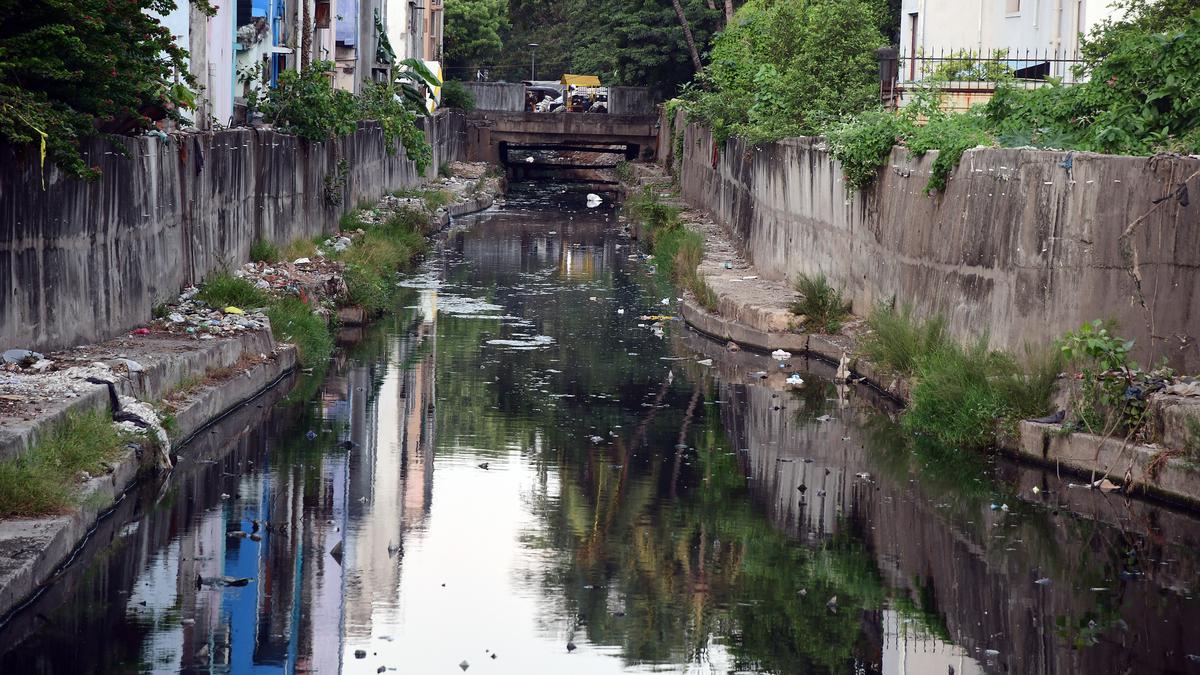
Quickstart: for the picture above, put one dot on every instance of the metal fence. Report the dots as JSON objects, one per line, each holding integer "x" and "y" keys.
{"x": 974, "y": 70}
{"x": 970, "y": 76}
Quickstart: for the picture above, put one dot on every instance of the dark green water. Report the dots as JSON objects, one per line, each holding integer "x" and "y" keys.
{"x": 639, "y": 511}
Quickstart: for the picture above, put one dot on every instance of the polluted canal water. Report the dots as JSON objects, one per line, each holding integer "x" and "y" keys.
{"x": 517, "y": 471}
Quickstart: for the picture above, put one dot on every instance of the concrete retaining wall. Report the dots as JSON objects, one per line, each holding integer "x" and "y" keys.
{"x": 497, "y": 95}
{"x": 631, "y": 101}
{"x": 81, "y": 262}
{"x": 1022, "y": 246}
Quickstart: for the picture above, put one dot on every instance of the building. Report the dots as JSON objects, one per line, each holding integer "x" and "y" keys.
{"x": 1013, "y": 28}
{"x": 246, "y": 44}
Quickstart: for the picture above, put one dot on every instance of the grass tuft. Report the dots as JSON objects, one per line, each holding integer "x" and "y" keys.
{"x": 264, "y": 251}
{"x": 224, "y": 289}
{"x": 898, "y": 339}
{"x": 821, "y": 303}
{"x": 292, "y": 320}
{"x": 43, "y": 480}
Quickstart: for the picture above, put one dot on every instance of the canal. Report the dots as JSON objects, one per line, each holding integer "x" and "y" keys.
{"x": 526, "y": 469}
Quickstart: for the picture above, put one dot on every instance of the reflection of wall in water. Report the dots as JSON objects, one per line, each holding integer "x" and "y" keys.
{"x": 975, "y": 565}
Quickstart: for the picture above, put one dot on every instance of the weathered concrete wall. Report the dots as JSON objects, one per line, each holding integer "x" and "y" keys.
{"x": 1022, "y": 245}
{"x": 497, "y": 95}
{"x": 81, "y": 262}
{"x": 631, "y": 101}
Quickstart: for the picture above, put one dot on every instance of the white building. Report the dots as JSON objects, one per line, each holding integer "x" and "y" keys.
{"x": 934, "y": 27}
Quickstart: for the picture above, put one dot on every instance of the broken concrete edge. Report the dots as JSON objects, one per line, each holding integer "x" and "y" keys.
{"x": 32, "y": 550}
{"x": 1142, "y": 470}
{"x": 161, "y": 372}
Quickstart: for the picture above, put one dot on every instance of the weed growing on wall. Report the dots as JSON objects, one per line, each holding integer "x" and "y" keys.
{"x": 823, "y": 305}
{"x": 44, "y": 480}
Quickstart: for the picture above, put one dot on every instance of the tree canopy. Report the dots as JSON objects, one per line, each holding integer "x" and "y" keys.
{"x": 70, "y": 70}
{"x": 472, "y": 32}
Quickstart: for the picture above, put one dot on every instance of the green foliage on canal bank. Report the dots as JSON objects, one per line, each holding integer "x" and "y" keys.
{"x": 224, "y": 289}
{"x": 1137, "y": 90}
{"x": 374, "y": 259}
{"x": 961, "y": 395}
{"x": 45, "y": 479}
{"x": 677, "y": 250}
{"x": 293, "y": 320}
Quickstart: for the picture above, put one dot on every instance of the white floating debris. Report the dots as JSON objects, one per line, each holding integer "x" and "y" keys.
{"x": 593, "y": 200}
{"x": 705, "y": 362}
{"x": 824, "y": 418}
{"x": 795, "y": 380}
{"x": 781, "y": 355}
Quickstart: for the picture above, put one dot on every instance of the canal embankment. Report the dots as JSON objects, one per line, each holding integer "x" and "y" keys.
{"x": 212, "y": 349}
{"x": 1023, "y": 249}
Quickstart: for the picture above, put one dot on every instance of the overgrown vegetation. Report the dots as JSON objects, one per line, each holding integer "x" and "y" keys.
{"x": 898, "y": 340}
{"x": 224, "y": 289}
{"x": 1111, "y": 396}
{"x": 677, "y": 250}
{"x": 781, "y": 72}
{"x": 790, "y": 68}
{"x": 820, "y": 303}
{"x": 293, "y": 320}
{"x": 45, "y": 479}
{"x": 624, "y": 171}
{"x": 455, "y": 95}
{"x": 372, "y": 262}
{"x": 264, "y": 251}
{"x": 961, "y": 396}
{"x": 306, "y": 104}
{"x": 434, "y": 198}
{"x": 75, "y": 70}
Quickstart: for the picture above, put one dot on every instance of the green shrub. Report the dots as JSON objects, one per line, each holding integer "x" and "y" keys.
{"x": 224, "y": 289}
{"x": 444, "y": 170}
{"x": 624, "y": 171}
{"x": 292, "y": 320}
{"x": 657, "y": 216}
{"x": 898, "y": 340}
{"x": 264, "y": 251}
{"x": 455, "y": 95}
{"x": 821, "y": 303}
{"x": 43, "y": 480}
{"x": 863, "y": 145}
{"x": 951, "y": 135}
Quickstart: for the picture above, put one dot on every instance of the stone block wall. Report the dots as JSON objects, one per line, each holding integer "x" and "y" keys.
{"x": 1022, "y": 246}
{"x": 83, "y": 261}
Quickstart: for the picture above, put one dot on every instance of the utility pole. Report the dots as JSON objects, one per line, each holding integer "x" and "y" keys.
{"x": 532, "y": 61}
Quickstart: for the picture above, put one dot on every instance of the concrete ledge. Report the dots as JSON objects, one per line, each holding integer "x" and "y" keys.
{"x": 472, "y": 205}
{"x": 745, "y": 336}
{"x": 166, "y": 361}
{"x": 32, "y": 549}
{"x": 1088, "y": 455}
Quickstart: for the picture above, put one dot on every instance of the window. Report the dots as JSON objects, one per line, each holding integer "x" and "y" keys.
{"x": 1012, "y": 6}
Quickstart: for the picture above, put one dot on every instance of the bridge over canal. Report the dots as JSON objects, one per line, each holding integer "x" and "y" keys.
{"x": 493, "y": 134}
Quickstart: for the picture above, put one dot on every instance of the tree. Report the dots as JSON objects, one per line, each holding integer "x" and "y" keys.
{"x": 473, "y": 29}
{"x": 72, "y": 70}
{"x": 624, "y": 42}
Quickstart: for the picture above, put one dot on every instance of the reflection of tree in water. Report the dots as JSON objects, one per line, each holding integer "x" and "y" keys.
{"x": 658, "y": 576}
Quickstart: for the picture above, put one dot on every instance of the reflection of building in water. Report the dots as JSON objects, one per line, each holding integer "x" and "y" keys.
{"x": 578, "y": 263}
{"x": 390, "y": 479}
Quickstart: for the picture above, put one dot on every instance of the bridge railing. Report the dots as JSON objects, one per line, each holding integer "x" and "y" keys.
{"x": 511, "y": 97}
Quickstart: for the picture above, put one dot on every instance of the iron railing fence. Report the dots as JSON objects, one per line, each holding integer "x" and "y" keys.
{"x": 973, "y": 70}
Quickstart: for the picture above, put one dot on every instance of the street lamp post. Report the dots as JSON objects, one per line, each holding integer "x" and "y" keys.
{"x": 532, "y": 61}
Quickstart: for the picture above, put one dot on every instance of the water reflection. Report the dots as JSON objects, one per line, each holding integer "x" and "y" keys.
{"x": 515, "y": 470}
